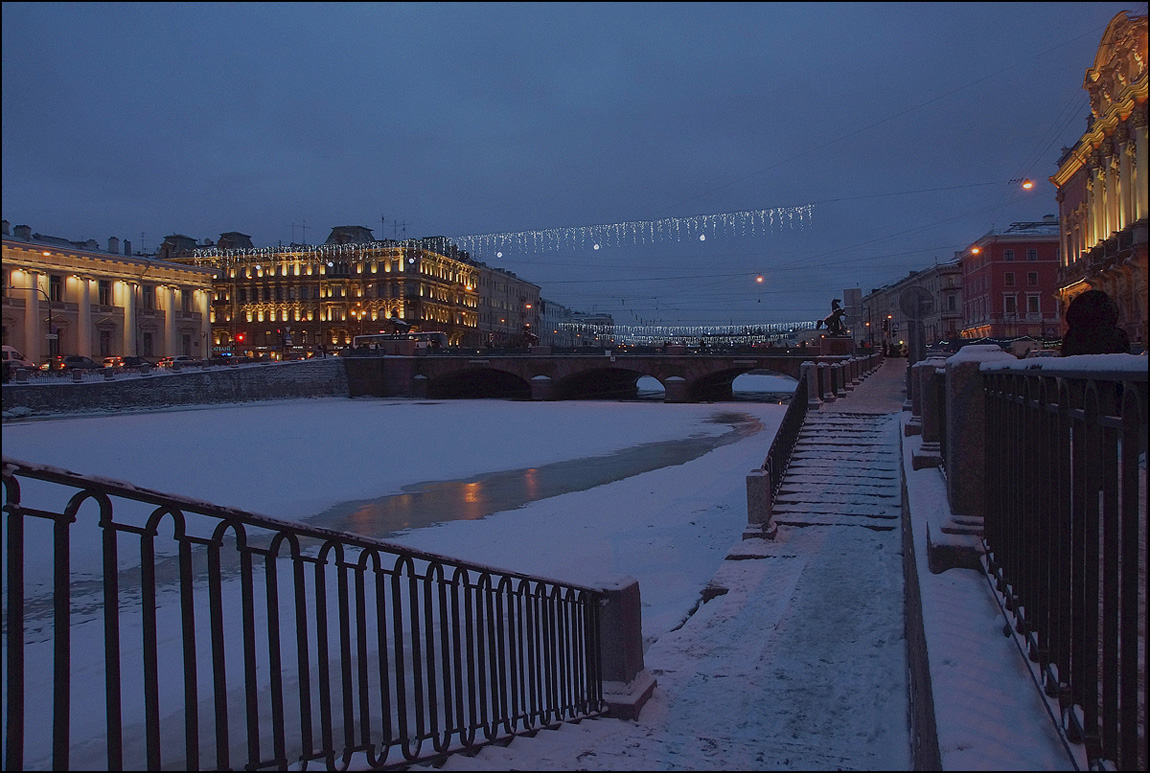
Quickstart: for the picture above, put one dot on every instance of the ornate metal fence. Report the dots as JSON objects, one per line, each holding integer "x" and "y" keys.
{"x": 146, "y": 630}
{"x": 783, "y": 445}
{"x": 1066, "y": 543}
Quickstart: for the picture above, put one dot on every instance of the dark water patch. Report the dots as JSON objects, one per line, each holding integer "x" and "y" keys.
{"x": 425, "y": 504}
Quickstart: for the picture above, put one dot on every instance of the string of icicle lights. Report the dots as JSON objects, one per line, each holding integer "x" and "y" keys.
{"x": 749, "y": 222}
{"x": 651, "y": 334}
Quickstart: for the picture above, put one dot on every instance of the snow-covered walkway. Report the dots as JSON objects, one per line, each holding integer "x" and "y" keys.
{"x": 791, "y": 618}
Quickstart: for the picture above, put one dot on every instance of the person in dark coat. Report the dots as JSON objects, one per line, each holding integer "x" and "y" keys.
{"x": 1092, "y": 326}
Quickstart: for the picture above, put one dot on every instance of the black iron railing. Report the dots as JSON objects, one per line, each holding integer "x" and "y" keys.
{"x": 783, "y": 445}
{"x": 1066, "y": 543}
{"x": 143, "y": 630}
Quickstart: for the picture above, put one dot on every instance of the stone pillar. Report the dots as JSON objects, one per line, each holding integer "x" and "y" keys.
{"x": 542, "y": 388}
{"x": 626, "y": 682}
{"x": 419, "y": 386}
{"x": 930, "y": 407}
{"x": 839, "y": 375}
{"x": 966, "y": 427}
{"x": 759, "y": 522}
{"x": 826, "y": 390}
{"x": 811, "y": 371}
{"x": 675, "y": 390}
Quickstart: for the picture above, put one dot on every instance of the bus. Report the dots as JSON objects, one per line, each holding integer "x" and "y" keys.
{"x": 399, "y": 343}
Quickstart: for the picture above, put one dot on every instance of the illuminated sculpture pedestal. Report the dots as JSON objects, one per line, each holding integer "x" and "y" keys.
{"x": 833, "y": 346}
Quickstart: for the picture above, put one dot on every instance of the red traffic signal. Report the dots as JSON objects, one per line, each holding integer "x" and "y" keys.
{"x": 240, "y": 337}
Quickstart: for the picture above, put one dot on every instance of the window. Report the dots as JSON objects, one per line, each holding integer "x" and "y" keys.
{"x": 1032, "y": 278}
{"x": 105, "y": 292}
{"x": 148, "y": 298}
{"x": 1032, "y": 254}
{"x": 55, "y": 288}
{"x": 1008, "y": 254}
{"x": 1011, "y": 304}
{"x": 1032, "y": 304}
{"x": 950, "y": 303}
{"x": 105, "y": 343}
{"x": 243, "y": 295}
{"x": 1009, "y": 278}
{"x": 185, "y": 302}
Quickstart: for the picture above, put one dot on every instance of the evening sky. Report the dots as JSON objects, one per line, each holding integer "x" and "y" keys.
{"x": 829, "y": 145}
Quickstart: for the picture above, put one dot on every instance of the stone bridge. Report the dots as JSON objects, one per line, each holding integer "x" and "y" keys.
{"x": 685, "y": 377}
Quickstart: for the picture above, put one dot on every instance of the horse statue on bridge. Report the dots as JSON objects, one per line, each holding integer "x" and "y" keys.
{"x": 834, "y": 320}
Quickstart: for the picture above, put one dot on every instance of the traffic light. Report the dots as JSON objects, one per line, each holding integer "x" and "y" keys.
{"x": 240, "y": 337}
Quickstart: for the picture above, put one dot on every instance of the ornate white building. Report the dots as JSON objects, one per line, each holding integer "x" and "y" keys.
{"x": 1102, "y": 181}
{"x": 63, "y": 297}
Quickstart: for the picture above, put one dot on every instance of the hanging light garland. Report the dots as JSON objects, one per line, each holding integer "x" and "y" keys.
{"x": 749, "y": 222}
{"x": 656, "y": 334}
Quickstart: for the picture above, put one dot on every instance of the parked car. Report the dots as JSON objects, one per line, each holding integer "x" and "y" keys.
{"x": 69, "y": 362}
{"x": 131, "y": 361}
{"x": 17, "y": 361}
{"x": 183, "y": 359}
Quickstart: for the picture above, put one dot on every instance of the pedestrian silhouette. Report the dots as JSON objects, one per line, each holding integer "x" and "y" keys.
{"x": 1092, "y": 326}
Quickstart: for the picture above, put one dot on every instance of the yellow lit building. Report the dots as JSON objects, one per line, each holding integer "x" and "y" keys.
{"x": 63, "y": 297}
{"x": 299, "y": 298}
{"x": 1102, "y": 181}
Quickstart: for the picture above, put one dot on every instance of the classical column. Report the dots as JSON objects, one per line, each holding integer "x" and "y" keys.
{"x": 169, "y": 296}
{"x": 1141, "y": 178}
{"x": 128, "y": 289}
{"x": 34, "y": 336}
{"x": 84, "y": 318}
{"x": 204, "y": 305}
{"x": 1126, "y": 193}
{"x": 1092, "y": 185}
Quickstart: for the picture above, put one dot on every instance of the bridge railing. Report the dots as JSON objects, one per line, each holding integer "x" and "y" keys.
{"x": 1065, "y": 537}
{"x": 144, "y": 630}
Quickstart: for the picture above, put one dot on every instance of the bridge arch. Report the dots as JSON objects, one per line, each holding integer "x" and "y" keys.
{"x": 479, "y": 383}
{"x": 605, "y": 383}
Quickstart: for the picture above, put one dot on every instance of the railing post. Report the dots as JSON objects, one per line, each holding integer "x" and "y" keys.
{"x": 826, "y": 390}
{"x": 811, "y": 371}
{"x": 626, "y": 682}
{"x": 928, "y": 398}
{"x": 838, "y": 370}
{"x": 759, "y": 500}
{"x": 966, "y": 427}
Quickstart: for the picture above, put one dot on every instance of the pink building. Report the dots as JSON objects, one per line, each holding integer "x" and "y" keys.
{"x": 1010, "y": 282}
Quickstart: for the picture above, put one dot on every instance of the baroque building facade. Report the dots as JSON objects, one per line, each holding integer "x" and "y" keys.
{"x": 63, "y": 297}
{"x": 1102, "y": 181}
{"x": 301, "y": 299}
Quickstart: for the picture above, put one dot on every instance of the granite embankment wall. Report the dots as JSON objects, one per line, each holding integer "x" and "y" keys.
{"x": 189, "y": 386}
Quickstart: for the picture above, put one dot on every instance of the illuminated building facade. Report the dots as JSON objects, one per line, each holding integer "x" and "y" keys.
{"x": 62, "y": 297}
{"x": 303, "y": 298}
{"x": 1009, "y": 282}
{"x": 508, "y": 307}
{"x": 1102, "y": 181}
{"x": 882, "y": 319}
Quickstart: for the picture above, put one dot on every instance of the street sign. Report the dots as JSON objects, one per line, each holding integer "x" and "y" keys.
{"x": 51, "y": 336}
